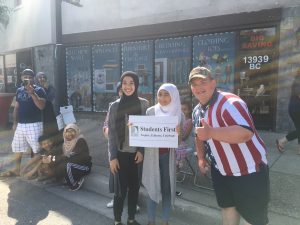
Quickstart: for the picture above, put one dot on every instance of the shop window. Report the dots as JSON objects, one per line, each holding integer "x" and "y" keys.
{"x": 78, "y": 64}
{"x": 11, "y": 73}
{"x": 138, "y": 57}
{"x": 217, "y": 53}
{"x": 106, "y": 74}
{"x": 173, "y": 62}
{"x": 257, "y": 74}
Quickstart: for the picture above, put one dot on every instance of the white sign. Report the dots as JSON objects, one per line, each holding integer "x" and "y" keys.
{"x": 153, "y": 131}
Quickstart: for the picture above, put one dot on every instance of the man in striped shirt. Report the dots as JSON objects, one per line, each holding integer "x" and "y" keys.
{"x": 225, "y": 132}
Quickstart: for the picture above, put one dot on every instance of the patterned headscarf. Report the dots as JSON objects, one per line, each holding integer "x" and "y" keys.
{"x": 68, "y": 146}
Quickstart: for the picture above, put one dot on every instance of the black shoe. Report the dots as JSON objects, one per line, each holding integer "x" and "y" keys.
{"x": 134, "y": 222}
{"x": 178, "y": 193}
{"x": 78, "y": 185}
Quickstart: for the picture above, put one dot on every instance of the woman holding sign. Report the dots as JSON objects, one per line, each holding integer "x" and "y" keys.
{"x": 124, "y": 160}
{"x": 159, "y": 168}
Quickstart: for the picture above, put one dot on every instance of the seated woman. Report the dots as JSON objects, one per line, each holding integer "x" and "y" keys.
{"x": 39, "y": 166}
{"x": 75, "y": 162}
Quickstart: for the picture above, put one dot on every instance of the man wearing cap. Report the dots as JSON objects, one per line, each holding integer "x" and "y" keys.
{"x": 49, "y": 117}
{"x": 27, "y": 116}
{"x": 225, "y": 132}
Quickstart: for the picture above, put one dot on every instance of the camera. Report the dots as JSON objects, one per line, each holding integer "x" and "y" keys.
{"x": 27, "y": 82}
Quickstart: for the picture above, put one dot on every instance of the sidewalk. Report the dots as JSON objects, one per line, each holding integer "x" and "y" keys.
{"x": 196, "y": 204}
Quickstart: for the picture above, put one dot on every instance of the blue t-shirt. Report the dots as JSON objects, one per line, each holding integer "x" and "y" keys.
{"x": 28, "y": 111}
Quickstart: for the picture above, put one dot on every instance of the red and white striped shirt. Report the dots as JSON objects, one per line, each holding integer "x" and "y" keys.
{"x": 234, "y": 159}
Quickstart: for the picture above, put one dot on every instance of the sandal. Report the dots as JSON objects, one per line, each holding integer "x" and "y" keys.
{"x": 9, "y": 173}
{"x": 280, "y": 148}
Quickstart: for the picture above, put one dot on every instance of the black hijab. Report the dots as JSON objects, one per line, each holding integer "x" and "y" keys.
{"x": 129, "y": 105}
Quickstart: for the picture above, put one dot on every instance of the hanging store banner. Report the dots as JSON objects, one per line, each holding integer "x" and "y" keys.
{"x": 106, "y": 74}
{"x": 78, "y": 63}
{"x": 153, "y": 131}
{"x": 217, "y": 53}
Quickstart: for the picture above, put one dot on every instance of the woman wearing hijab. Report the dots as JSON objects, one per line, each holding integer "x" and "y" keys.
{"x": 75, "y": 162}
{"x": 159, "y": 168}
{"x": 125, "y": 161}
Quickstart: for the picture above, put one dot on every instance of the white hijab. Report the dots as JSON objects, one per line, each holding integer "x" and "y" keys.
{"x": 174, "y": 108}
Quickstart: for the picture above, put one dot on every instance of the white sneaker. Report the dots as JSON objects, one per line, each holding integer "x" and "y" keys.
{"x": 110, "y": 204}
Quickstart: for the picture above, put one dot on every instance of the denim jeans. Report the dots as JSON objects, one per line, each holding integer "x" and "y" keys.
{"x": 165, "y": 191}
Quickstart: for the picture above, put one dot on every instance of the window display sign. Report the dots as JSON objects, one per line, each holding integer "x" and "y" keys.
{"x": 217, "y": 53}
{"x": 106, "y": 74}
{"x": 78, "y": 63}
{"x": 172, "y": 63}
{"x": 257, "y": 45}
{"x": 138, "y": 57}
{"x": 256, "y": 79}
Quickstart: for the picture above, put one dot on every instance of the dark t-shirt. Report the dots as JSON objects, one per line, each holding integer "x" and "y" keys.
{"x": 28, "y": 111}
{"x": 294, "y": 105}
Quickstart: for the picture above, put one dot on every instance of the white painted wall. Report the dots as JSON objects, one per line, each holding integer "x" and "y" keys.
{"x": 97, "y": 15}
{"x": 30, "y": 24}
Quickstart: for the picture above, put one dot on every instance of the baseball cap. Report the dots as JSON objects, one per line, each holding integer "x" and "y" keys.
{"x": 28, "y": 72}
{"x": 200, "y": 72}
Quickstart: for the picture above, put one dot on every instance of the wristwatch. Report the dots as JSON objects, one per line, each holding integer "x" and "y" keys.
{"x": 53, "y": 158}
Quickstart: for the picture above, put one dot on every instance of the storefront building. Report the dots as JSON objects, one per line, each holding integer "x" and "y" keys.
{"x": 253, "y": 54}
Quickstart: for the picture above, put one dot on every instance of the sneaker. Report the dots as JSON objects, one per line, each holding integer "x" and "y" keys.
{"x": 134, "y": 222}
{"x": 178, "y": 193}
{"x": 110, "y": 204}
{"x": 118, "y": 223}
{"x": 78, "y": 185}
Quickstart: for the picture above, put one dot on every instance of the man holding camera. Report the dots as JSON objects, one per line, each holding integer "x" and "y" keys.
{"x": 27, "y": 116}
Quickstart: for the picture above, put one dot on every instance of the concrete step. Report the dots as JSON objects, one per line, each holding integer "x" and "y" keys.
{"x": 185, "y": 210}
{"x": 196, "y": 205}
